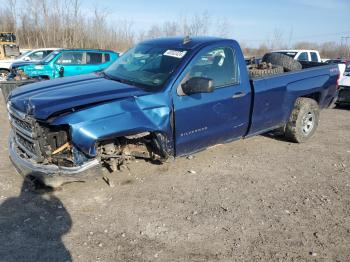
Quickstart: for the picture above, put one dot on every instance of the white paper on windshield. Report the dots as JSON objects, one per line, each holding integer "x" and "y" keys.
{"x": 174, "y": 53}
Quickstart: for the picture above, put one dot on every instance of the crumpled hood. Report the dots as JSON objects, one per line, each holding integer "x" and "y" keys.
{"x": 43, "y": 99}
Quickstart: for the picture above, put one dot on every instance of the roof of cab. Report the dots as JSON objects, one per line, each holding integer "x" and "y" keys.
{"x": 180, "y": 42}
{"x": 294, "y": 50}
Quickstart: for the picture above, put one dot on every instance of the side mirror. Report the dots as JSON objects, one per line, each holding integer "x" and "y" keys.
{"x": 61, "y": 72}
{"x": 198, "y": 85}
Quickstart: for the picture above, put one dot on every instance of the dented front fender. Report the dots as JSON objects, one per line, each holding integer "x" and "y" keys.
{"x": 118, "y": 118}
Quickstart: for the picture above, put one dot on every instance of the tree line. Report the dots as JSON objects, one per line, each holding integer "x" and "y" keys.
{"x": 65, "y": 23}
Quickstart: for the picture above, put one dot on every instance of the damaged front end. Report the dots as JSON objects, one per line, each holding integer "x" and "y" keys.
{"x": 41, "y": 151}
{"x": 47, "y": 151}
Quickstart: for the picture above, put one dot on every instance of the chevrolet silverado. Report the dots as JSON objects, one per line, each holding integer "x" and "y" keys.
{"x": 164, "y": 98}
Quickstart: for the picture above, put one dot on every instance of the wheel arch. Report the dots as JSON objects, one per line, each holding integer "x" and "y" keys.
{"x": 315, "y": 96}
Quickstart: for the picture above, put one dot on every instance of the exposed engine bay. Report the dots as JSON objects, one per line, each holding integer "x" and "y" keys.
{"x": 117, "y": 152}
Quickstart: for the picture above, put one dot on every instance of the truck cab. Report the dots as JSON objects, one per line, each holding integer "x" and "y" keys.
{"x": 8, "y": 47}
{"x": 301, "y": 54}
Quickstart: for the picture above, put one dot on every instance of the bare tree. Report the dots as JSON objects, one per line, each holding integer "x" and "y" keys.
{"x": 12, "y": 7}
{"x": 277, "y": 39}
{"x": 170, "y": 29}
{"x": 63, "y": 23}
{"x": 223, "y": 27}
{"x": 198, "y": 25}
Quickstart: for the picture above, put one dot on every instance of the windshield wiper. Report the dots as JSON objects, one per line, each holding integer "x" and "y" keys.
{"x": 120, "y": 80}
{"x": 128, "y": 82}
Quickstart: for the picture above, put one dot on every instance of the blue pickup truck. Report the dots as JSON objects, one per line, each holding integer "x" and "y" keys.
{"x": 162, "y": 99}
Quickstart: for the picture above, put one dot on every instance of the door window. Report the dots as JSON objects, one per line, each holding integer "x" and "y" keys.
{"x": 314, "y": 57}
{"x": 93, "y": 58}
{"x": 220, "y": 65}
{"x": 107, "y": 57}
{"x": 71, "y": 58}
{"x": 303, "y": 57}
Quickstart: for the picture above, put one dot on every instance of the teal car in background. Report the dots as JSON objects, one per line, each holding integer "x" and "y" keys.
{"x": 64, "y": 62}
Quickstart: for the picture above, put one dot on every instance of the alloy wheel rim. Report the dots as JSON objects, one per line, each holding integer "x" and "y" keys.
{"x": 308, "y": 122}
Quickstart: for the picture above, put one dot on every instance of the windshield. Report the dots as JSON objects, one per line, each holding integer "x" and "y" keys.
{"x": 290, "y": 54}
{"x": 24, "y": 54}
{"x": 50, "y": 57}
{"x": 146, "y": 66}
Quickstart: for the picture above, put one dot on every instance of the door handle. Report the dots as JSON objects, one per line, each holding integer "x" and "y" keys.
{"x": 239, "y": 94}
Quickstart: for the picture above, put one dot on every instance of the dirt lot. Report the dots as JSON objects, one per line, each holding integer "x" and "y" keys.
{"x": 260, "y": 199}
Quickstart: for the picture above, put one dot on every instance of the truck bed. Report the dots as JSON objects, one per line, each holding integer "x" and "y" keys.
{"x": 274, "y": 96}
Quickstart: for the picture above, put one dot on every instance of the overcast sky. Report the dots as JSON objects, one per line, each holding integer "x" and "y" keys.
{"x": 251, "y": 21}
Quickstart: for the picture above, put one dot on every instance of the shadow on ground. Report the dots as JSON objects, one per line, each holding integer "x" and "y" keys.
{"x": 32, "y": 226}
{"x": 343, "y": 107}
{"x": 276, "y": 135}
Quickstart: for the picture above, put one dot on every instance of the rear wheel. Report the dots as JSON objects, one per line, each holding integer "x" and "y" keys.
{"x": 303, "y": 121}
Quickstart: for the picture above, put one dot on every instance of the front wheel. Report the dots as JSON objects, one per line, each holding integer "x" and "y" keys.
{"x": 303, "y": 121}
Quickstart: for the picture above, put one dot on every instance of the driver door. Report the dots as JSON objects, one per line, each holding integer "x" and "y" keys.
{"x": 205, "y": 119}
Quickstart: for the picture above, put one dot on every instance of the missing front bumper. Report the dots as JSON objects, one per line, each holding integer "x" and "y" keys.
{"x": 51, "y": 175}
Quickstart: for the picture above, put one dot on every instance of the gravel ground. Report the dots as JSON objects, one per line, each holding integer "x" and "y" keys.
{"x": 259, "y": 199}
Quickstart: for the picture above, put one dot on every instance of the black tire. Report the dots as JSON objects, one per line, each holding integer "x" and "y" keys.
{"x": 288, "y": 63}
{"x": 303, "y": 120}
{"x": 256, "y": 72}
{"x": 3, "y": 74}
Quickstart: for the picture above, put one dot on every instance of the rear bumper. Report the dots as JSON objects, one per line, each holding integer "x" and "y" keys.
{"x": 334, "y": 100}
{"x": 51, "y": 175}
{"x": 344, "y": 95}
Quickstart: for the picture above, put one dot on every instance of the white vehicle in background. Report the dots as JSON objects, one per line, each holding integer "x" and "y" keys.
{"x": 33, "y": 55}
{"x": 312, "y": 56}
{"x": 301, "y": 54}
{"x": 342, "y": 63}
{"x": 344, "y": 87}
